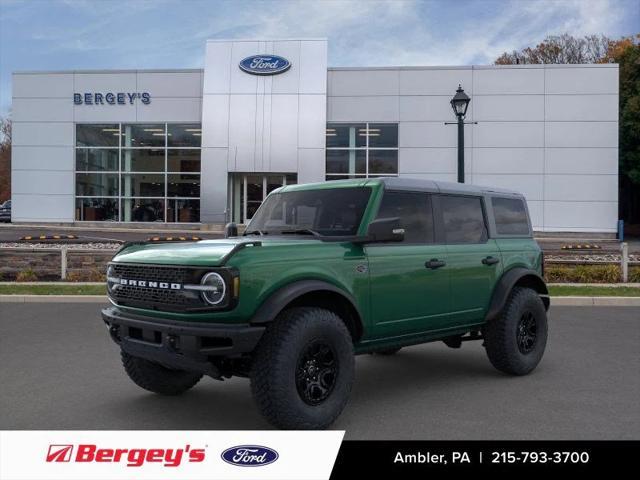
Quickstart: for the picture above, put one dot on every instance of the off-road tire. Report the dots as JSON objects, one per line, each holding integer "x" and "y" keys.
{"x": 388, "y": 351}
{"x": 501, "y": 333}
{"x": 156, "y": 378}
{"x": 277, "y": 362}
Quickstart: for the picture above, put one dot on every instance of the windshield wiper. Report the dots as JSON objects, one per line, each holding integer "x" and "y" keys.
{"x": 300, "y": 231}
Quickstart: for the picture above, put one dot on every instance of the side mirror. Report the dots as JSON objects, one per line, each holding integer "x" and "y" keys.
{"x": 385, "y": 230}
{"x": 230, "y": 230}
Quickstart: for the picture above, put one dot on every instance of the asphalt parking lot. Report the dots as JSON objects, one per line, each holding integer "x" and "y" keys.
{"x": 59, "y": 370}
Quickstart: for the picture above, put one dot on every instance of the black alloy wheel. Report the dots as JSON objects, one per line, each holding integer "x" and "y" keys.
{"x": 527, "y": 332}
{"x": 316, "y": 372}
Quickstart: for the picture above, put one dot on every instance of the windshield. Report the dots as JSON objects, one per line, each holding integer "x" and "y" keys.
{"x": 326, "y": 212}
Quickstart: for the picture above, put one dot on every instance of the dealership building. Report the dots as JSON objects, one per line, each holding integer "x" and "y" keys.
{"x": 207, "y": 145}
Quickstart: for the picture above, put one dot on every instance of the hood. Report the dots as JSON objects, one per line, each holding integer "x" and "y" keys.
{"x": 202, "y": 253}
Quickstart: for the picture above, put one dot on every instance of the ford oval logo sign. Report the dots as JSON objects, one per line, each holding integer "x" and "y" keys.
{"x": 249, "y": 455}
{"x": 265, "y": 64}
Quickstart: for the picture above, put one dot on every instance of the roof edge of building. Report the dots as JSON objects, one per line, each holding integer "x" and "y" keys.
{"x": 108, "y": 71}
{"x": 479, "y": 67}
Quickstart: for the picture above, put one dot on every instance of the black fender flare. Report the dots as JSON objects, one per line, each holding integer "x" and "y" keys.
{"x": 278, "y": 300}
{"x": 529, "y": 278}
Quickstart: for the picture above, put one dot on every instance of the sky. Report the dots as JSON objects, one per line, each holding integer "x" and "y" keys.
{"x": 105, "y": 34}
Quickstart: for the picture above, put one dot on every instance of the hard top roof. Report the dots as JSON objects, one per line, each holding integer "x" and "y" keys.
{"x": 406, "y": 183}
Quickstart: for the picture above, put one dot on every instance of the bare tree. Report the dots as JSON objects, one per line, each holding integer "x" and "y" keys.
{"x": 563, "y": 48}
{"x": 5, "y": 158}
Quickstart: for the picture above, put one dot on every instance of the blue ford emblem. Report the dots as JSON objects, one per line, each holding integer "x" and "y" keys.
{"x": 249, "y": 456}
{"x": 265, "y": 64}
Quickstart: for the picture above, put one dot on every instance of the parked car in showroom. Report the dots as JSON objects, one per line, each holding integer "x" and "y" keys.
{"x": 5, "y": 211}
{"x": 325, "y": 271}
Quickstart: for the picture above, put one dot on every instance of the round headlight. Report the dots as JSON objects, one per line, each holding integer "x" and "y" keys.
{"x": 215, "y": 288}
{"x": 111, "y": 280}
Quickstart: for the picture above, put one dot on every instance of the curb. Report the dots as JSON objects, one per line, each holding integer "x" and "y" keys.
{"x": 555, "y": 301}
{"x": 595, "y": 301}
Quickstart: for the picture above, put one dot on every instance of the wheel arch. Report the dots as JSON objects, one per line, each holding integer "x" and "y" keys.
{"x": 315, "y": 293}
{"x": 516, "y": 277}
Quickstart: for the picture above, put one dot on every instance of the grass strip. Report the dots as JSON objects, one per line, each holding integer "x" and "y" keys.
{"x": 53, "y": 289}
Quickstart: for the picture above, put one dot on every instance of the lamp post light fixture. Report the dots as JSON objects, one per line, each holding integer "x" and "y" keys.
{"x": 459, "y": 104}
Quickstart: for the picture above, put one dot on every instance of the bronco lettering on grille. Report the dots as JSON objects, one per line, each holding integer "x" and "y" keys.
{"x": 149, "y": 284}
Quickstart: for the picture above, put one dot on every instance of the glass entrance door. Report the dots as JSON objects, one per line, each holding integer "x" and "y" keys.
{"x": 248, "y": 190}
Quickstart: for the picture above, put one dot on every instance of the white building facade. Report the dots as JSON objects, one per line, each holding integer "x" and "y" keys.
{"x": 206, "y": 146}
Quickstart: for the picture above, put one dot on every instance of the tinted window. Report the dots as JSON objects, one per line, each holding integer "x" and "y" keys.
{"x": 414, "y": 211}
{"x": 511, "y": 216}
{"x": 463, "y": 219}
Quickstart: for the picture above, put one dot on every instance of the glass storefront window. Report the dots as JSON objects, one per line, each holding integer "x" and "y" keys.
{"x": 183, "y": 211}
{"x": 98, "y": 135}
{"x": 346, "y": 136}
{"x": 347, "y": 161}
{"x": 184, "y": 135}
{"x": 143, "y": 160}
{"x": 248, "y": 190}
{"x": 184, "y": 161}
{"x": 183, "y": 185}
{"x": 138, "y": 172}
{"x": 383, "y": 135}
{"x": 96, "y": 185}
{"x": 142, "y": 210}
{"x": 96, "y": 159}
{"x": 383, "y": 161}
{"x": 273, "y": 182}
{"x": 291, "y": 178}
{"x": 138, "y": 135}
{"x": 361, "y": 150}
{"x": 143, "y": 185}
{"x": 96, "y": 209}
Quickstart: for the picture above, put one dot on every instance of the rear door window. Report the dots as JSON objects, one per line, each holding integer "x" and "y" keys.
{"x": 463, "y": 219}
{"x": 510, "y": 215}
{"x": 414, "y": 212}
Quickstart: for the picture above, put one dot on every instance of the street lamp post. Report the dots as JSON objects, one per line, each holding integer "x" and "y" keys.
{"x": 460, "y": 103}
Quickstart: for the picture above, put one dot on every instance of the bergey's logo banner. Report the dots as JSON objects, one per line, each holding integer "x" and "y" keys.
{"x": 185, "y": 455}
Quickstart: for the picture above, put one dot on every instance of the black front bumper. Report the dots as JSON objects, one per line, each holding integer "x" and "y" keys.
{"x": 182, "y": 345}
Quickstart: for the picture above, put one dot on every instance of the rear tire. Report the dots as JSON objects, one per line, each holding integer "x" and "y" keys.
{"x": 515, "y": 341}
{"x": 303, "y": 369}
{"x": 156, "y": 378}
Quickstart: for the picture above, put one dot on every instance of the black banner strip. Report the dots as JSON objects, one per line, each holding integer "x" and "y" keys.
{"x": 414, "y": 459}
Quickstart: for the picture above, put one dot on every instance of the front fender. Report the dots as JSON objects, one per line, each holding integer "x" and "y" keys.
{"x": 274, "y": 304}
{"x": 516, "y": 276}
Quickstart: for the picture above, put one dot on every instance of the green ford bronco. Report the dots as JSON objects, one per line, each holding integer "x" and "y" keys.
{"x": 325, "y": 271}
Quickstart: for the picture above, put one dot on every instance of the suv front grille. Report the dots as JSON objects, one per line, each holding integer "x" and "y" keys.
{"x": 162, "y": 296}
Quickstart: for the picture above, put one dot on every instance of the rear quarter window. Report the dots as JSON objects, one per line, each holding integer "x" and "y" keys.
{"x": 463, "y": 219}
{"x": 510, "y": 215}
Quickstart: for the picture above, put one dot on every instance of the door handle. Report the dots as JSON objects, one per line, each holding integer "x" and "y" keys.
{"x": 435, "y": 263}
{"x": 490, "y": 260}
